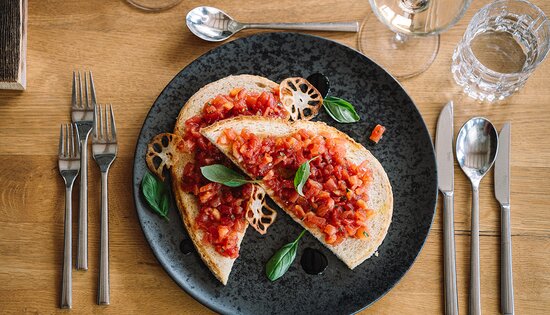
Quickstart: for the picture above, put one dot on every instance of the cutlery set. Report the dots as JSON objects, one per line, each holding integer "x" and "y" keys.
{"x": 88, "y": 117}
{"x": 477, "y": 145}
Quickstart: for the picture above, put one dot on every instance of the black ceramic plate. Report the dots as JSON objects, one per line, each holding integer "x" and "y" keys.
{"x": 405, "y": 151}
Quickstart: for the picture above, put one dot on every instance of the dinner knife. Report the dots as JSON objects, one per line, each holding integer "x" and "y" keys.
{"x": 502, "y": 193}
{"x": 445, "y": 179}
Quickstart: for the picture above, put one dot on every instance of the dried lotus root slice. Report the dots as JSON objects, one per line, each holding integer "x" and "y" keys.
{"x": 162, "y": 153}
{"x": 258, "y": 213}
{"x": 300, "y": 98}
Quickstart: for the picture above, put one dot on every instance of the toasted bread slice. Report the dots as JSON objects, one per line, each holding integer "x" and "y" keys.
{"x": 351, "y": 251}
{"x": 187, "y": 203}
{"x": 195, "y": 104}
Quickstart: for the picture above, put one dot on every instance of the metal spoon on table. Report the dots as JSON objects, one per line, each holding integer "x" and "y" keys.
{"x": 214, "y": 25}
{"x": 476, "y": 149}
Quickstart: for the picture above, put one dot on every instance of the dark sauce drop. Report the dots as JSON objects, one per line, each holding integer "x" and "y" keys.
{"x": 186, "y": 246}
{"x": 313, "y": 261}
{"x": 320, "y": 82}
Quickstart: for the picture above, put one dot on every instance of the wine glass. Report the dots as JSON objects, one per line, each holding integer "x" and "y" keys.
{"x": 154, "y": 5}
{"x": 407, "y": 40}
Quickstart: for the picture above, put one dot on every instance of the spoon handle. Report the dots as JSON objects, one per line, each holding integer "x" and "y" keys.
{"x": 328, "y": 26}
{"x": 475, "y": 295}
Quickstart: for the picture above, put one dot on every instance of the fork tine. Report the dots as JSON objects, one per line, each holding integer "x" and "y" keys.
{"x": 76, "y": 140}
{"x": 80, "y": 104}
{"x": 102, "y": 125}
{"x": 86, "y": 93}
{"x": 66, "y": 142}
{"x": 106, "y": 128}
{"x": 60, "y": 153}
{"x": 73, "y": 152}
{"x": 96, "y": 122}
{"x": 113, "y": 125}
{"x": 92, "y": 90}
{"x": 73, "y": 96}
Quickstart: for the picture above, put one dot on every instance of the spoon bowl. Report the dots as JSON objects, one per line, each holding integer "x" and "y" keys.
{"x": 211, "y": 24}
{"x": 476, "y": 150}
{"x": 476, "y": 147}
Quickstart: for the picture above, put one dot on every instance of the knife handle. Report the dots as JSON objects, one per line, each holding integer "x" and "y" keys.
{"x": 506, "y": 279}
{"x": 449, "y": 259}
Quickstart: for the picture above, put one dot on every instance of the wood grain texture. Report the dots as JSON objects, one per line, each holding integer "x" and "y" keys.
{"x": 134, "y": 55}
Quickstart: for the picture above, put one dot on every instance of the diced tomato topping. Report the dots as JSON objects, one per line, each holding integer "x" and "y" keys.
{"x": 362, "y": 233}
{"x": 221, "y": 208}
{"x": 335, "y": 194}
{"x": 377, "y": 133}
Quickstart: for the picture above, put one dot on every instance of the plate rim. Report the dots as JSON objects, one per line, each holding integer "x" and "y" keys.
{"x": 136, "y": 193}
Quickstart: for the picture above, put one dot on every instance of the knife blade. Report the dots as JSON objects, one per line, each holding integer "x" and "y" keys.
{"x": 502, "y": 193}
{"x": 502, "y": 166}
{"x": 444, "y": 149}
{"x": 445, "y": 179}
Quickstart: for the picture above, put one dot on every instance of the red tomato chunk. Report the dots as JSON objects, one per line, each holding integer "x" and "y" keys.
{"x": 377, "y": 133}
{"x": 222, "y": 209}
{"x": 335, "y": 195}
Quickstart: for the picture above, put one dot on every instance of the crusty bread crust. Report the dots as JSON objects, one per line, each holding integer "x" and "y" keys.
{"x": 351, "y": 251}
{"x": 187, "y": 203}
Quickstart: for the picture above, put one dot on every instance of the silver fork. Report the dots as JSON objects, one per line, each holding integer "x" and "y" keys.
{"x": 104, "y": 150}
{"x": 68, "y": 167}
{"x": 83, "y": 115}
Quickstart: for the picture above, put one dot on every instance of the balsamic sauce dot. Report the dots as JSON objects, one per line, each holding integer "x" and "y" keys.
{"x": 320, "y": 82}
{"x": 186, "y": 246}
{"x": 313, "y": 261}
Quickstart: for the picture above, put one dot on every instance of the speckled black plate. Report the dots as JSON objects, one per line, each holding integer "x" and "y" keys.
{"x": 406, "y": 153}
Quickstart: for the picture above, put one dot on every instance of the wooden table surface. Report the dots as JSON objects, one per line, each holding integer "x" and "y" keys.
{"x": 134, "y": 55}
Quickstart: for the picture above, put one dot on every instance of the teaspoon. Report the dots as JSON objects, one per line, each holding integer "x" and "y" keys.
{"x": 214, "y": 25}
{"x": 476, "y": 149}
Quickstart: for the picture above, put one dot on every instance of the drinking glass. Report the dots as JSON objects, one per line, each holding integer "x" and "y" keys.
{"x": 154, "y": 5}
{"x": 502, "y": 46}
{"x": 403, "y": 35}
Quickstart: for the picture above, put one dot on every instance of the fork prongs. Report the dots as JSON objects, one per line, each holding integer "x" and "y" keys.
{"x": 104, "y": 123}
{"x": 83, "y": 97}
{"x": 68, "y": 142}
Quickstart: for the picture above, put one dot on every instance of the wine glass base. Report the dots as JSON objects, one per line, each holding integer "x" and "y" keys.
{"x": 154, "y": 5}
{"x": 403, "y": 56}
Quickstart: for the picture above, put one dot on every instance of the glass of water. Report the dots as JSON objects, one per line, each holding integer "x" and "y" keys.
{"x": 503, "y": 44}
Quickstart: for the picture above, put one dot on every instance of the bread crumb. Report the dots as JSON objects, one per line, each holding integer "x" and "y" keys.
{"x": 376, "y": 253}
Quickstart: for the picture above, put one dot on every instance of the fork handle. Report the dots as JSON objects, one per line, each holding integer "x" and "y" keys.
{"x": 67, "y": 282}
{"x": 103, "y": 288}
{"x": 82, "y": 256}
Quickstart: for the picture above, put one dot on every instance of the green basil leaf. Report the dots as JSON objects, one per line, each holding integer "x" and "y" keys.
{"x": 340, "y": 110}
{"x": 165, "y": 204}
{"x": 302, "y": 174}
{"x": 155, "y": 194}
{"x": 279, "y": 263}
{"x": 219, "y": 173}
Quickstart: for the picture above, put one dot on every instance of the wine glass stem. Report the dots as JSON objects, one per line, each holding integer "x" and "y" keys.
{"x": 400, "y": 38}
